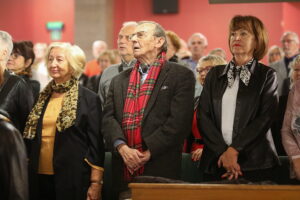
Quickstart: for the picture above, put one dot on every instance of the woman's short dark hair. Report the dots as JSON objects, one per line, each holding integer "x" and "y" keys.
{"x": 254, "y": 26}
{"x": 25, "y": 49}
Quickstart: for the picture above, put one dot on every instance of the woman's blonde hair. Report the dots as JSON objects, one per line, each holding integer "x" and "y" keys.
{"x": 213, "y": 59}
{"x": 74, "y": 55}
{"x": 294, "y": 63}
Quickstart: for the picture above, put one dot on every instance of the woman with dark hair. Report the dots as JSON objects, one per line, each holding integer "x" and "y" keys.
{"x": 13, "y": 162}
{"x": 14, "y": 97}
{"x": 66, "y": 153}
{"x": 20, "y": 62}
{"x": 236, "y": 109}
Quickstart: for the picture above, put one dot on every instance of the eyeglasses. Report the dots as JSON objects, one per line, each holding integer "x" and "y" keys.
{"x": 204, "y": 69}
{"x": 15, "y": 55}
{"x": 287, "y": 41}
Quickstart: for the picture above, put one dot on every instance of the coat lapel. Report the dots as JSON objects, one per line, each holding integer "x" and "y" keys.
{"x": 125, "y": 83}
{"x": 161, "y": 78}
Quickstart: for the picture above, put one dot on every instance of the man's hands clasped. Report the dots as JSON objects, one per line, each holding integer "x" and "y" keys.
{"x": 133, "y": 158}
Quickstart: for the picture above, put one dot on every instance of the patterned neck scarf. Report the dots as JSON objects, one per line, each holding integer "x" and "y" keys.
{"x": 135, "y": 103}
{"x": 243, "y": 72}
{"x": 67, "y": 115}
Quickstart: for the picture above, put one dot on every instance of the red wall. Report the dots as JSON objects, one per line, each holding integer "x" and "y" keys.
{"x": 291, "y": 16}
{"x": 210, "y": 19}
{"x": 26, "y": 19}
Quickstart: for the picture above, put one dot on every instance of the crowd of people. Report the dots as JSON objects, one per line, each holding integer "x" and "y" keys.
{"x": 147, "y": 102}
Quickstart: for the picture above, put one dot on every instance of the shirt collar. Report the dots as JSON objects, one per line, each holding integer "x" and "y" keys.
{"x": 249, "y": 65}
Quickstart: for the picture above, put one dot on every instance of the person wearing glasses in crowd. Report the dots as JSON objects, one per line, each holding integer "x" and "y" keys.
{"x": 148, "y": 111}
{"x": 194, "y": 143}
{"x": 16, "y": 97}
{"x": 20, "y": 62}
{"x": 236, "y": 109}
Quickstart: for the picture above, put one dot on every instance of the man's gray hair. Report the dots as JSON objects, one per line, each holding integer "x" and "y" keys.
{"x": 199, "y": 35}
{"x": 6, "y": 41}
{"x": 295, "y": 35}
{"x": 129, "y": 23}
{"x": 159, "y": 31}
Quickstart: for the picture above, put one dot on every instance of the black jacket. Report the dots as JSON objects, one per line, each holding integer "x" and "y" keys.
{"x": 255, "y": 108}
{"x": 13, "y": 164}
{"x": 35, "y": 86}
{"x": 16, "y": 99}
{"x": 71, "y": 147}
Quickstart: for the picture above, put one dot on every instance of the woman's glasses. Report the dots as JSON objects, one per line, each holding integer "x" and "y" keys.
{"x": 204, "y": 69}
{"x": 15, "y": 55}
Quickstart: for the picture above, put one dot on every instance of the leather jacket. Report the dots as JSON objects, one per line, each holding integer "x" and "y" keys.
{"x": 256, "y": 105}
{"x": 16, "y": 99}
{"x": 13, "y": 161}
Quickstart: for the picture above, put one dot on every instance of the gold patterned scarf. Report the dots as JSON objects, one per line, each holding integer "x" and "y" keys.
{"x": 67, "y": 115}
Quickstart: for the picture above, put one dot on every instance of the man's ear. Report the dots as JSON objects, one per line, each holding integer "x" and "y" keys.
{"x": 160, "y": 42}
{"x": 28, "y": 62}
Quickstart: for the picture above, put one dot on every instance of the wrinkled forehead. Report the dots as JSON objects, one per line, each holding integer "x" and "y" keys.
{"x": 129, "y": 30}
{"x": 145, "y": 27}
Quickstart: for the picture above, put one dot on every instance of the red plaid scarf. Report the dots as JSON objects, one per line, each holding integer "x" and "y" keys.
{"x": 135, "y": 103}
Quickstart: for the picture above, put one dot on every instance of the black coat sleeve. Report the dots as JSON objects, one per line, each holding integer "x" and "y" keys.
{"x": 95, "y": 153}
{"x": 111, "y": 127}
{"x": 212, "y": 135}
{"x": 24, "y": 103}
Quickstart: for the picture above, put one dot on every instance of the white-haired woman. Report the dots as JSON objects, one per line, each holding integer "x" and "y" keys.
{"x": 66, "y": 148}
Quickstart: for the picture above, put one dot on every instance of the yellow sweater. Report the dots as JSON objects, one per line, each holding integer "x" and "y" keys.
{"x": 48, "y": 135}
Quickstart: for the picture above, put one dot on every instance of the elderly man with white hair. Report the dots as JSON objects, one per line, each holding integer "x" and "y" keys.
{"x": 197, "y": 44}
{"x": 290, "y": 46}
{"x": 148, "y": 111}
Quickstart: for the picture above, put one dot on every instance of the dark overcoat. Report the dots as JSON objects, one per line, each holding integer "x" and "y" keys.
{"x": 166, "y": 122}
{"x": 71, "y": 147}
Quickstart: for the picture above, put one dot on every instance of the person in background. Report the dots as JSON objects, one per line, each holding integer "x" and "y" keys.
{"x": 117, "y": 56}
{"x": 290, "y": 46}
{"x": 92, "y": 67}
{"x": 194, "y": 143}
{"x": 291, "y": 131}
{"x": 236, "y": 109}
{"x": 275, "y": 54}
{"x": 20, "y": 62}
{"x": 39, "y": 69}
{"x": 106, "y": 59}
{"x": 197, "y": 44}
{"x": 16, "y": 96}
{"x": 126, "y": 52}
{"x": 63, "y": 132}
{"x": 173, "y": 46}
{"x": 148, "y": 111}
{"x": 13, "y": 161}
{"x": 218, "y": 52}
{"x": 183, "y": 53}
{"x": 295, "y": 70}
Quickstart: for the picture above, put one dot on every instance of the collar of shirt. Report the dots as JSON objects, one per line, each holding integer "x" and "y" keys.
{"x": 129, "y": 64}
